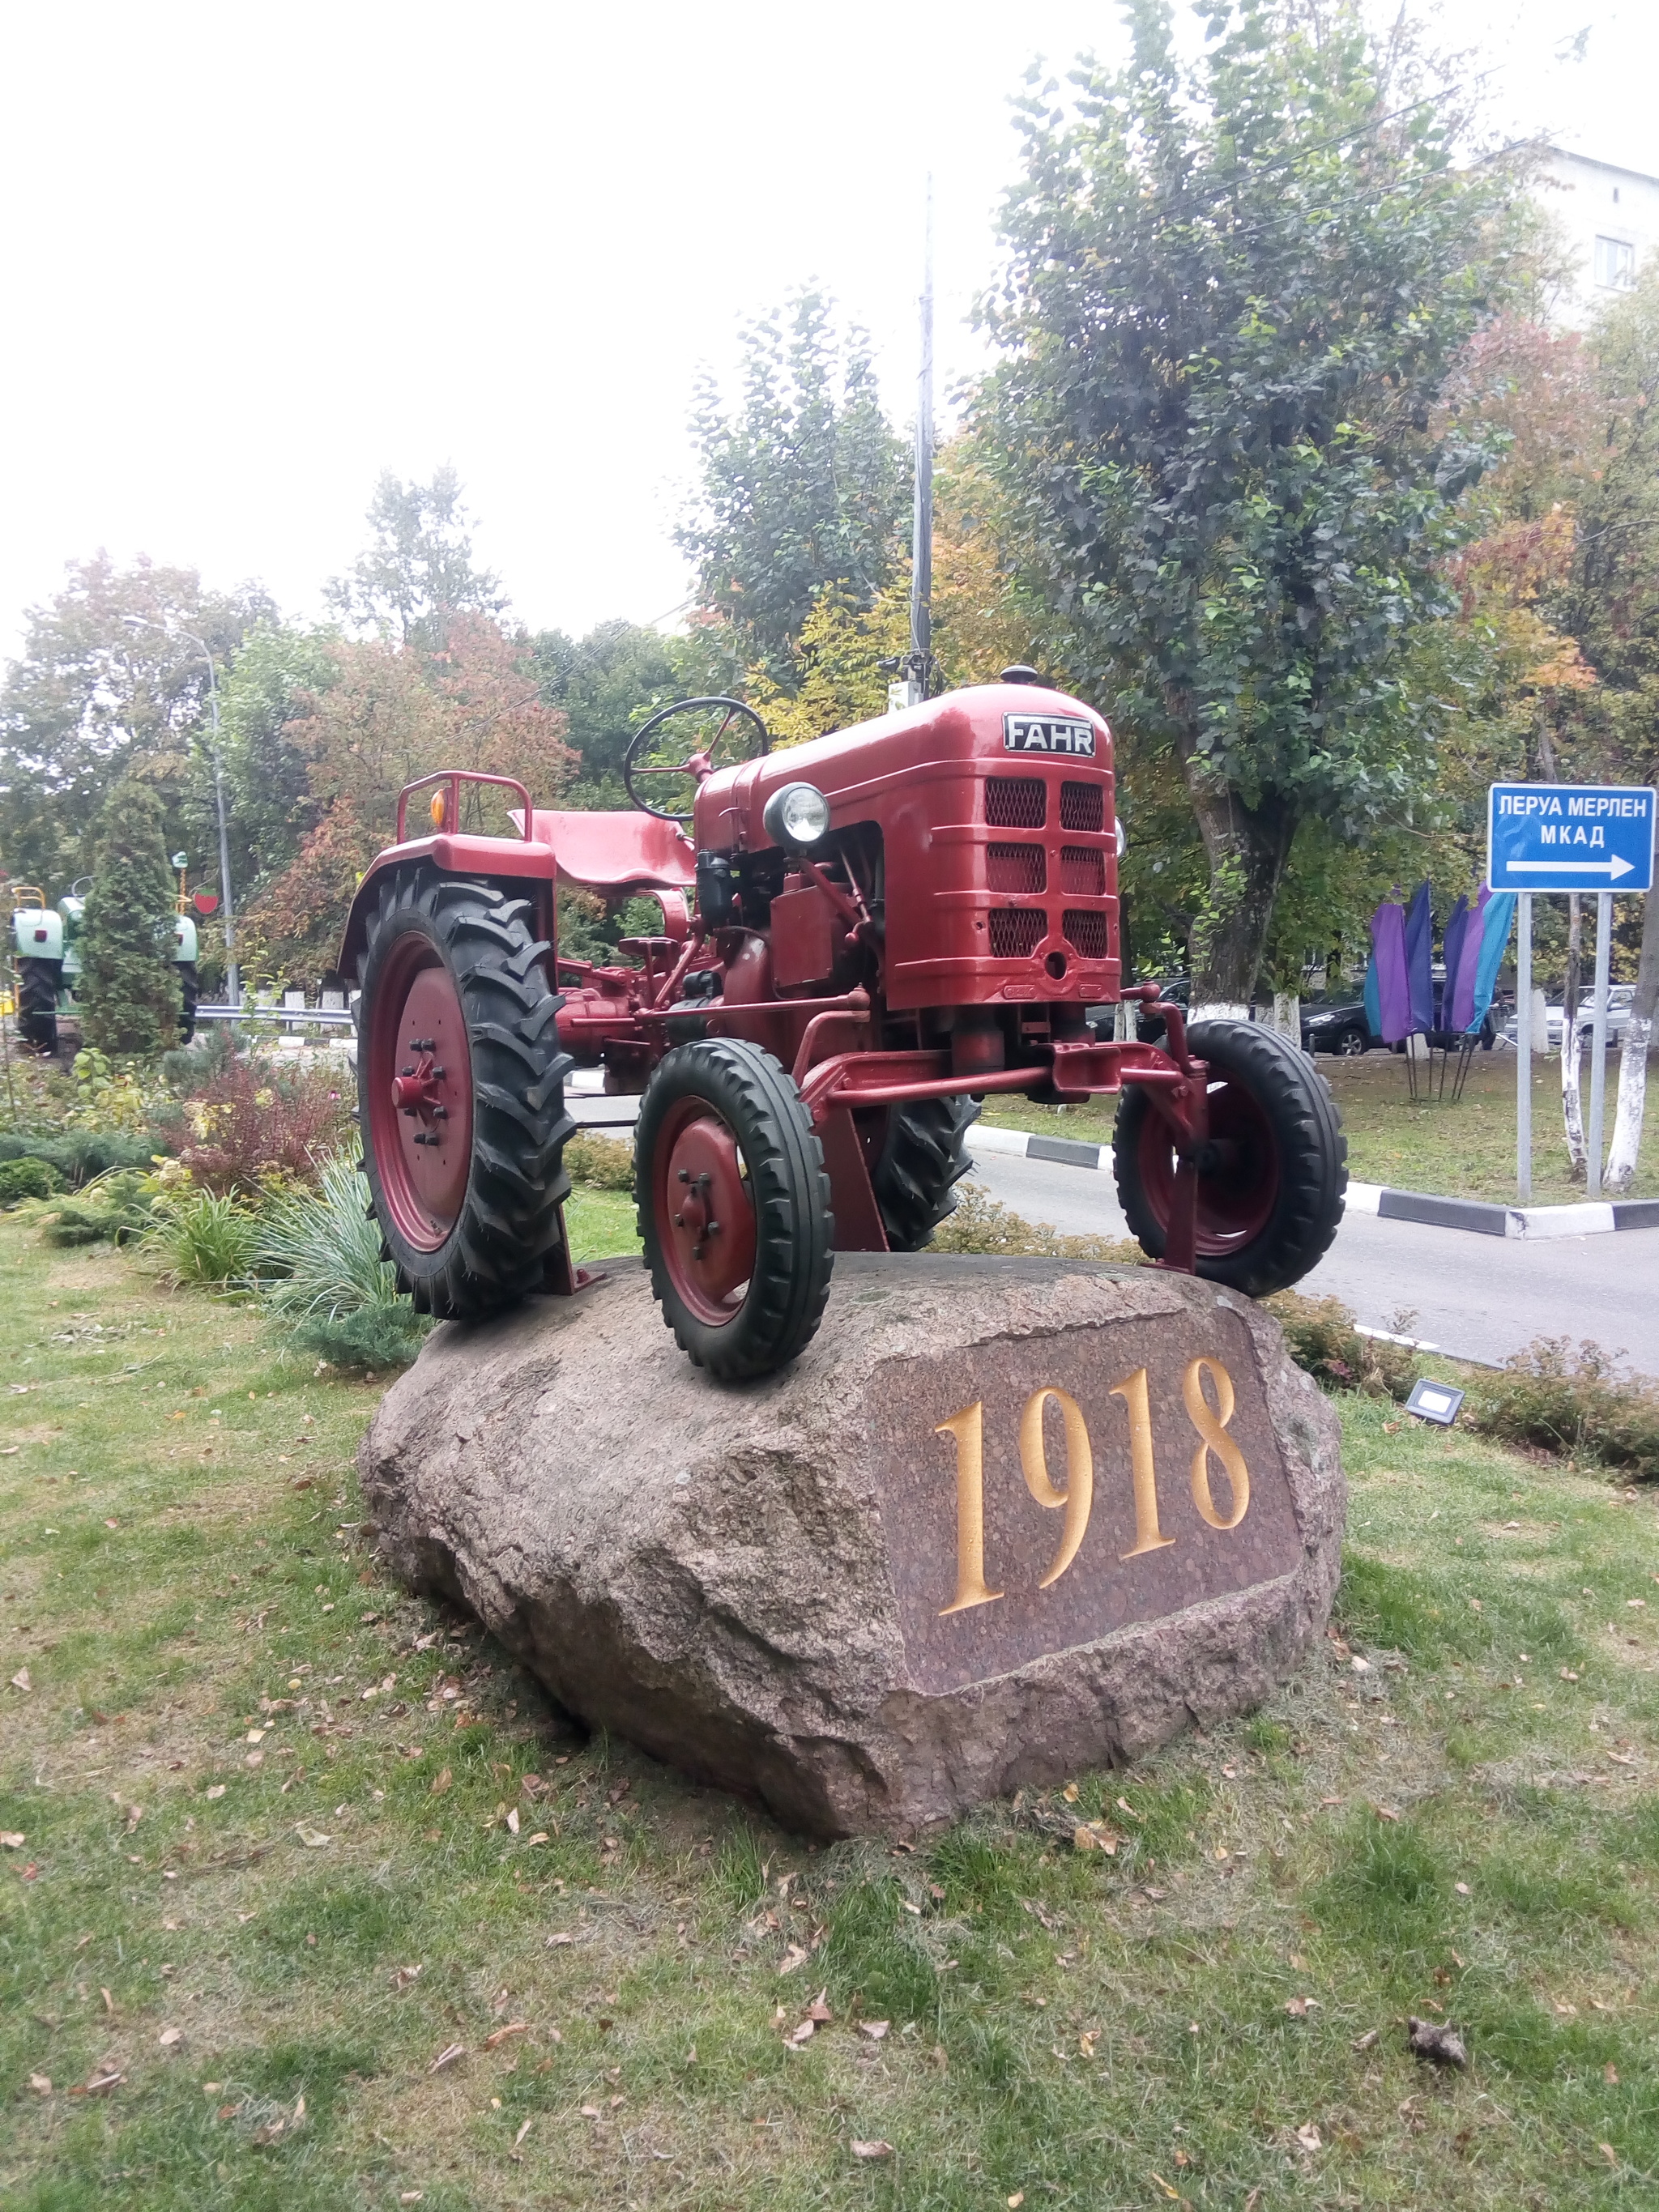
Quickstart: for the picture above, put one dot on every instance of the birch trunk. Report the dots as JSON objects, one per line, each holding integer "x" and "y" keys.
{"x": 1572, "y": 1106}
{"x": 1633, "y": 1059}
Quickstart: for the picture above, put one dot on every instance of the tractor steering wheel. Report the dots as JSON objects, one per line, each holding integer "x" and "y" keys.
{"x": 718, "y": 716}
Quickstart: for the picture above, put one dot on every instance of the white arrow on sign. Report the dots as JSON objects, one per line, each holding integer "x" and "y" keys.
{"x": 1612, "y": 869}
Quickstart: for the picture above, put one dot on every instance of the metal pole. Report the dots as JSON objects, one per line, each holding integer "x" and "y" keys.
{"x": 1523, "y": 1047}
{"x": 1599, "y": 1039}
{"x": 922, "y": 540}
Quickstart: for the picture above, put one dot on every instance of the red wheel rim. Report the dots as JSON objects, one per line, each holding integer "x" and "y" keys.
{"x": 420, "y": 1093}
{"x": 705, "y": 1215}
{"x": 1237, "y": 1197}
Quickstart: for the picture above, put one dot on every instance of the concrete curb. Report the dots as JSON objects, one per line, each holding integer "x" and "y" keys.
{"x": 1593, "y": 1218}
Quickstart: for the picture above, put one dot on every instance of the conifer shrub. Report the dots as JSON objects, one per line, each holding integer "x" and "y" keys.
{"x": 27, "y": 1178}
{"x": 129, "y": 993}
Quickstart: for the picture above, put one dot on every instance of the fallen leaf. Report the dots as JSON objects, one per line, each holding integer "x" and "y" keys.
{"x": 1016, "y": 2200}
{"x": 411, "y": 2196}
{"x": 1385, "y": 1811}
{"x": 312, "y": 1838}
{"x": 793, "y": 1957}
{"x": 592, "y": 2112}
{"x": 11, "y": 1839}
{"x": 101, "y": 2084}
{"x": 875, "y": 2029}
{"x": 1299, "y": 2008}
{"x": 877, "y": 2149}
{"x": 441, "y": 1782}
{"x": 522, "y": 2133}
{"x": 540, "y": 1837}
{"x": 512, "y": 1821}
{"x": 217, "y": 1790}
{"x": 169, "y": 2036}
{"x": 1309, "y": 2137}
{"x": 556, "y": 1941}
{"x": 403, "y": 1976}
{"x": 500, "y": 2035}
{"x": 1364, "y": 2042}
{"x": 1610, "y": 2074}
{"x": 41, "y": 2084}
{"x": 1095, "y": 1836}
{"x": 20, "y": 1680}
{"x": 804, "y": 2033}
{"x": 448, "y": 2057}
{"x": 1608, "y": 2152}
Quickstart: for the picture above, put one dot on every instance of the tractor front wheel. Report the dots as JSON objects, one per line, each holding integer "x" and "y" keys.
{"x": 733, "y": 1208}
{"x": 460, "y": 1086}
{"x": 38, "y": 982}
{"x": 1271, "y": 1173}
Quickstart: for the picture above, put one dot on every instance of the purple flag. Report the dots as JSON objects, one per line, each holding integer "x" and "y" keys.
{"x": 1452, "y": 952}
{"x": 1460, "y": 975}
{"x": 1392, "y": 998}
{"x": 1419, "y": 959}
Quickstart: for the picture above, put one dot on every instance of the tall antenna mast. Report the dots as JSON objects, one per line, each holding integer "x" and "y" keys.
{"x": 916, "y": 679}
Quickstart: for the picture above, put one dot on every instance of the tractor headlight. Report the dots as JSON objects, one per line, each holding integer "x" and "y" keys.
{"x": 797, "y": 815}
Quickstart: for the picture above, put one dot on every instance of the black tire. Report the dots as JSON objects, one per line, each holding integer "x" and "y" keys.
{"x": 1349, "y": 1043}
{"x": 190, "y": 992}
{"x": 779, "y": 1311}
{"x": 922, "y": 1159}
{"x": 38, "y": 985}
{"x": 1289, "y": 1104}
{"x": 508, "y": 1221}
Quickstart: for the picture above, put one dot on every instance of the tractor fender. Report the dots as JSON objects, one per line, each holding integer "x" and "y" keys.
{"x": 508, "y": 861}
{"x": 37, "y": 933}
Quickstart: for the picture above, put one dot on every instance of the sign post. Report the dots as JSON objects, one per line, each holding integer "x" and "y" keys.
{"x": 1566, "y": 837}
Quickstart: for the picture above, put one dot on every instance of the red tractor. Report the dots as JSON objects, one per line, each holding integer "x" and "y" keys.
{"x": 861, "y": 939}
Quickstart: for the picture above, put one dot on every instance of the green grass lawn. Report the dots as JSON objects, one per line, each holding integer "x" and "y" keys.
{"x": 1463, "y": 1150}
{"x": 305, "y": 1902}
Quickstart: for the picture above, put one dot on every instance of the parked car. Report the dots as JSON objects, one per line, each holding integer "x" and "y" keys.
{"x": 1336, "y": 1023}
{"x": 1620, "y": 998}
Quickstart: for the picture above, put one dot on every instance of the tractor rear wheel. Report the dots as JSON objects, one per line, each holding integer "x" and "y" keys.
{"x": 733, "y": 1208}
{"x": 190, "y": 993}
{"x": 922, "y": 1160}
{"x": 38, "y": 984}
{"x": 1270, "y": 1185}
{"x": 460, "y": 1086}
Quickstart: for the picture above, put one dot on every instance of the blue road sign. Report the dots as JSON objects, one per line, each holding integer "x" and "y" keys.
{"x": 1570, "y": 837}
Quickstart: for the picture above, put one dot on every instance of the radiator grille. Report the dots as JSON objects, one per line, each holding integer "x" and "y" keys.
{"x": 1082, "y": 806}
{"x": 1083, "y": 870}
{"x": 1016, "y": 867}
{"x": 1017, "y": 931}
{"x": 1017, "y": 802}
{"x": 1085, "y": 930}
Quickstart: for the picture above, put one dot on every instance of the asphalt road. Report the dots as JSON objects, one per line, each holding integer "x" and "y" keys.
{"x": 1479, "y": 1298}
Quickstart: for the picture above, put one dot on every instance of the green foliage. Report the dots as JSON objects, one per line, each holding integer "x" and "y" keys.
{"x": 320, "y": 1251}
{"x": 108, "y": 684}
{"x": 417, "y": 573}
{"x": 207, "y": 1241}
{"x": 803, "y": 486}
{"x": 871, "y": 1948}
{"x": 1320, "y": 1335}
{"x": 129, "y": 993}
{"x": 1577, "y": 1404}
{"x": 600, "y": 1163}
{"x": 27, "y": 1178}
{"x": 112, "y": 1209}
{"x": 81, "y": 1154}
{"x": 276, "y": 674}
{"x": 981, "y": 1223}
{"x": 371, "y": 1338}
{"x": 1234, "y": 295}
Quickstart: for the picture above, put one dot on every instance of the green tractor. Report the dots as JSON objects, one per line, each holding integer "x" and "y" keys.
{"x": 46, "y": 958}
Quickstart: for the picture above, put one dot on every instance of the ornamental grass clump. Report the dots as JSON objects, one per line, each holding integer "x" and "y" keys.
{"x": 320, "y": 1265}
{"x": 206, "y": 1240}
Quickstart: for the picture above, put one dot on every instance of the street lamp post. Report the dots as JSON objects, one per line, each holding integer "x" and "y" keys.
{"x": 233, "y": 973}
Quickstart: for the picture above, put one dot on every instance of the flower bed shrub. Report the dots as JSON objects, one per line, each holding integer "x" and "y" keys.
{"x": 981, "y": 1224}
{"x": 80, "y": 1154}
{"x": 27, "y": 1178}
{"x": 1320, "y": 1335}
{"x": 600, "y": 1163}
{"x": 1579, "y": 1404}
{"x": 253, "y": 1120}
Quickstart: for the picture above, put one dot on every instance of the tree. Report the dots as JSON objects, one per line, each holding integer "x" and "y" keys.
{"x": 1233, "y": 296}
{"x": 417, "y": 575}
{"x": 391, "y": 715}
{"x": 108, "y": 688}
{"x": 803, "y": 486}
{"x": 129, "y": 994}
{"x": 272, "y": 686}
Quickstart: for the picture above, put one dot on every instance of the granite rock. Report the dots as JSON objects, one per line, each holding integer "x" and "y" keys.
{"x": 798, "y": 1590}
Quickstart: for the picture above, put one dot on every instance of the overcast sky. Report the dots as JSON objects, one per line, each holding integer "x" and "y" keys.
{"x": 252, "y": 254}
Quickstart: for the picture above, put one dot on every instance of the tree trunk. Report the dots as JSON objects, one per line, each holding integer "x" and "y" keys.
{"x": 1633, "y": 1059}
{"x": 1572, "y": 1111}
{"x": 1247, "y": 847}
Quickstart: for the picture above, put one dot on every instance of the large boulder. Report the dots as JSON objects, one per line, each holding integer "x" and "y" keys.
{"x": 1003, "y": 1520}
